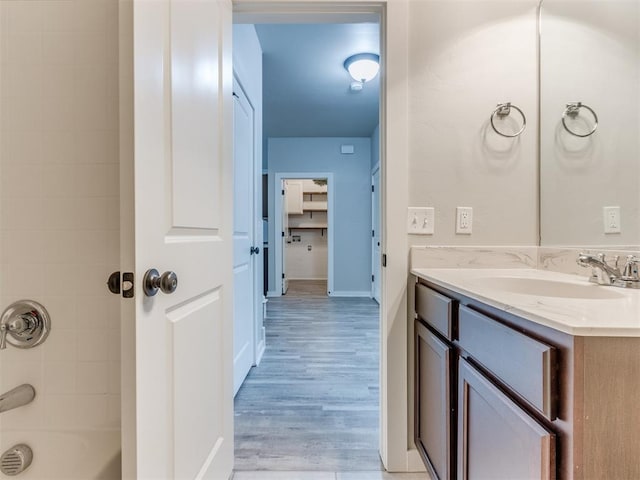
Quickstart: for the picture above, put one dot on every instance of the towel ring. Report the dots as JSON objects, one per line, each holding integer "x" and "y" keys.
{"x": 572, "y": 110}
{"x": 503, "y": 110}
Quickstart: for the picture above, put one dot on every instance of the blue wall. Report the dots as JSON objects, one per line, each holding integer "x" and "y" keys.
{"x": 352, "y": 195}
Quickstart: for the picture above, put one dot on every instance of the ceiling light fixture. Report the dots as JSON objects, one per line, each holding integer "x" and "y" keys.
{"x": 362, "y": 67}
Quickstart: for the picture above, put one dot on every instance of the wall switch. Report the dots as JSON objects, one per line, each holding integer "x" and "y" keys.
{"x": 464, "y": 220}
{"x": 421, "y": 220}
{"x": 611, "y": 217}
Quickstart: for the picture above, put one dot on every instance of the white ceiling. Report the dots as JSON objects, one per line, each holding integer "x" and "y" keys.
{"x": 306, "y": 88}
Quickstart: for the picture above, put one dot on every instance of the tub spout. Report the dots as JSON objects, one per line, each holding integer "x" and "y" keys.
{"x": 17, "y": 397}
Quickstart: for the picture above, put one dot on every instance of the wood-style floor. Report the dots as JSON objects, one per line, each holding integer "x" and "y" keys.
{"x": 312, "y": 404}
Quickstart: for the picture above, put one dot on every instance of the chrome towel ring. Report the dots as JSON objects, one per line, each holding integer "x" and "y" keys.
{"x": 572, "y": 111}
{"x": 503, "y": 110}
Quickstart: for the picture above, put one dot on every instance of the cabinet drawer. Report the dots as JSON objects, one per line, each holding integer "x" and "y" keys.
{"x": 526, "y": 365}
{"x": 436, "y": 310}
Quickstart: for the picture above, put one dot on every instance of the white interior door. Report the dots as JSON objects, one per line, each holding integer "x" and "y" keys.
{"x": 182, "y": 98}
{"x": 285, "y": 235}
{"x": 243, "y": 237}
{"x": 375, "y": 238}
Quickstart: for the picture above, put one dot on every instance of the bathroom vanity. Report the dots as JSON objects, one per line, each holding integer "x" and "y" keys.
{"x": 526, "y": 374}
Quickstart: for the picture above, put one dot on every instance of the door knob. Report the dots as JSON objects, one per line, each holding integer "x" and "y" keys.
{"x": 153, "y": 281}
{"x": 255, "y": 250}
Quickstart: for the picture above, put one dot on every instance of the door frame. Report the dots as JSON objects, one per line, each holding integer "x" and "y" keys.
{"x": 397, "y": 450}
{"x": 375, "y": 195}
{"x": 279, "y": 177}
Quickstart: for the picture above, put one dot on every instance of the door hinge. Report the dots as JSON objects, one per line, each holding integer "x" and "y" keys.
{"x": 283, "y": 191}
{"x": 384, "y": 259}
{"x": 373, "y": 233}
{"x": 283, "y": 275}
{"x": 373, "y": 278}
{"x": 283, "y": 234}
{"x": 124, "y": 286}
{"x": 373, "y": 189}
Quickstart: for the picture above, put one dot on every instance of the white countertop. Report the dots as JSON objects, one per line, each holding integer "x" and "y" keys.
{"x": 616, "y": 315}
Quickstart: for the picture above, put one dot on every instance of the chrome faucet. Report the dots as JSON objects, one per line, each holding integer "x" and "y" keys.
{"x": 17, "y": 397}
{"x": 604, "y": 274}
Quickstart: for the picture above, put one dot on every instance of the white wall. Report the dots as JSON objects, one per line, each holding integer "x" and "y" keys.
{"x": 352, "y": 194}
{"x": 305, "y": 264}
{"x": 590, "y": 53}
{"x": 465, "y": 57}
{"x": 59, "y": 230}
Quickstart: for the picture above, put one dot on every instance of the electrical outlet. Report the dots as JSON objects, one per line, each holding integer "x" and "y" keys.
{"x": 611, "y": 218}
{"x": 464, "y": 220}
{"x": 421, "y": 220}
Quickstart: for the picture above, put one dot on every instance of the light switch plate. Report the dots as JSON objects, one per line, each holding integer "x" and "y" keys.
{"x": 611, "y": 218}
{"x": 464, "y": 220}
{"x": 421, "y": 220}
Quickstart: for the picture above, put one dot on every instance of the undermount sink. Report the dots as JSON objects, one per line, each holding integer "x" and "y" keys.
{"x": 549, "y": 288}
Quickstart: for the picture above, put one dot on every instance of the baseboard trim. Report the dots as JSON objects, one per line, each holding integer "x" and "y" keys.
{"x": 345, "y": 293}
{"x": 262, "y": 345}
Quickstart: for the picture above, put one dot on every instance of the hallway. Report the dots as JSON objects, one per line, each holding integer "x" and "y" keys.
{"x": 312, "y": 404}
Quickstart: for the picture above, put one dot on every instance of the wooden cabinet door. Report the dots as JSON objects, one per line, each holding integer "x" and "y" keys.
{"x": 293, "y": 194}
{"x": 433, "y": 402}
{"x": 496, "y": 438}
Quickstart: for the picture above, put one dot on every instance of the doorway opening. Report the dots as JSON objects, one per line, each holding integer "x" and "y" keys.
{"x": 305, "y": 248}
{"x": 313, "y": 400}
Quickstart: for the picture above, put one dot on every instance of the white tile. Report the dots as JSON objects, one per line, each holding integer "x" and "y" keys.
{"x": 90, "y": 16}
{"x": 24, "y": 17}
{"x": 91, "y": 412}
{"x": 21, "y": 147}
{"x": 61, "y": 345}
{"x": 60, "y": 247}
{"x": 24, "y": 247}
{"x": 24, "y": 81}
{"x": 59, "y": 280}
{"x": 16, "y": 373}
{"x": 113, "y": 411}
{"x": 265, "y": 475}
{"x": 92, "y": 312}
{"x": 92, "y": 147}
{"x": 24, "y": 47}
{"x": 90, "y": 247}
{"x": 93, "y": 377}
{"x": 59, "y": 378}
{"x": 58, "y": 114}
{"x": 58, "y": 147}
{"x": 62, "y": 310}
{"x": 24, "y": 280}
{"x": 114, "y": 378}
{"x": 30, "y": 416}
{"x": 91, "y": 345}
{"x": 21, "y": 179}
{"x": 113, "y": 340}
{"x": 58, "y": 49}
{"x": 60, "y": 411}
{"x": 58, "y": 16}
{"x": 61, "y": 213}
{"x": 58, "y": 180}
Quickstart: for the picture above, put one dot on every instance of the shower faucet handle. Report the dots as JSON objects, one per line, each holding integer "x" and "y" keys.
{"x": 24, "y": 324}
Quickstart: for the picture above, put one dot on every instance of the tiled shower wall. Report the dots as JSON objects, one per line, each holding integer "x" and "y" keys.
{"x": 59, "y": 238}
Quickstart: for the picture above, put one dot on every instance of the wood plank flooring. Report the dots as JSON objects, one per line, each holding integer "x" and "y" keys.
{"x": 312, "y": 404}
